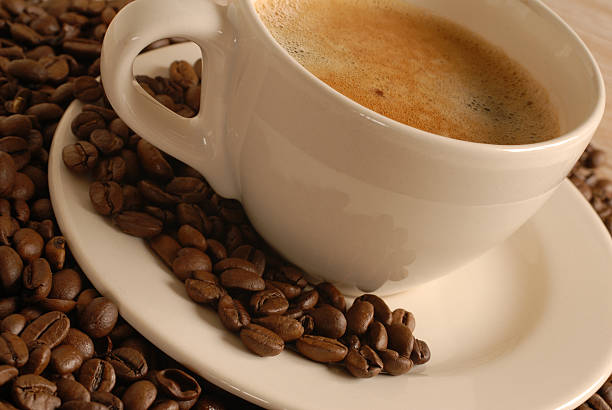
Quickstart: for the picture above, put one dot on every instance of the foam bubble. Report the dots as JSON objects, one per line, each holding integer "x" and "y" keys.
{"x": 414, "y": 67}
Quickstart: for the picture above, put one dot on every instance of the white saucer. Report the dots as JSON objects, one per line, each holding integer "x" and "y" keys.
{"x": 527, "y": 326}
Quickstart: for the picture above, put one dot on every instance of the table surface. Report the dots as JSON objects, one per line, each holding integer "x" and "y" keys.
{"x": 592, "y": 20}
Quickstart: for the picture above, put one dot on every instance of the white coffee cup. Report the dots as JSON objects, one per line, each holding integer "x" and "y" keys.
{"x": 341, "y": 191}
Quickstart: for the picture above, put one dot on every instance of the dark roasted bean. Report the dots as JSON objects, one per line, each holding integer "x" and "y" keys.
{"x": 420, "y": 352}
{"x": 307, "y": 300}
{"x": 80, "y": 156}
{"x": 7, "y": 373}
{"x": 139, "y": 396}
{"x": 110, "y": 169}
{"x": 165, "y": 247}
{"x": 106, "y": 197}
{"x": 376, "y": 336}
{"x": 28, "y": 70}
{"x": 363, "y": 362}
{"x": 287, "y": 328}
{"x": 177, "y": 384}
{"x": 97, "y": 375}
{"x": 55, "y": 252}
{"x": 232, "y": 314}
{"x": 50, "y": 328}
{"x": 39, "y": 358}
{"x": 129, "y": 364}
{"x": 359, "y": 317}
{"x": 66, "y": 359}
{"x": 294, "y": 276}
{"x": 394, "y": 363}
{"x": 99, "y": 317}
{"x": 34, "y": 392}
{"x": 382, "y": 313}
{"x": 69, "y": 390}
{"x": 290, "y": 291}
{"x": 138, "y": 224}
{"x": 13, "y": 323}
{"x": 111, "y": 401}
{"x": 269, "y": 302}
{"x": 13, "y": 350}
{"x": 189, "y": 260}
{"x": 11, "y": 267}
{"x": 204, "y": 288}
{"x": 329, "y": 294}
{"x": 87, "y": 89}
{"x": 261, "y": 340}
{"x": 401, "y": 316}
{"x": 153, "y": 162}
{"x": 400, "y": 339}
{"x": 8, "y": 173}
{"x": 190, "y": 237}
{"x": 37, "y": 280}
{"x": 29, "y": 244}
{"x": 321, "y": 349}
{"x": 242, "y": 279}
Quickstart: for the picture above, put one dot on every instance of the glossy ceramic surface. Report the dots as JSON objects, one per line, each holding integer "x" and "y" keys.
{"x": 341, "y": 191}
{"x": 523, "y": 327}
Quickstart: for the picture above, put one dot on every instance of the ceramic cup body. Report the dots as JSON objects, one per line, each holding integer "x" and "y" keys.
{"x": 341, "y": 191}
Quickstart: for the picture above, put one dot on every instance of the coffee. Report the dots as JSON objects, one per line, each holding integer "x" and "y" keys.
{"x": 414, "y": 67}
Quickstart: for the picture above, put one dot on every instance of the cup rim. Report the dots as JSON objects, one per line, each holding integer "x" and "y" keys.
{"x": 573, "y": 135}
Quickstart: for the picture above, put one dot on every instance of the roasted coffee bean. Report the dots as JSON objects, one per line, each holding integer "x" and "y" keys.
{"x": 8, "y": 173}
{"x": 351, "y": 341}
{"x": 13, "y": 323}
{"x": 598, "y": 403}
{"x": 328, "y": 321}
{"x": 401, "y": 316}
{"x": 111, "y": 401}
{"x": 307, "y": 323}
{"x": 293, "y": 275}
{"x": 85, "y": 123}
{"x": 232, "y": 314}
{"x": 21, "y": 210}
{"x": 363, "y": 363}
{"x": 204, "y": 288}
{"x": 41, "y": 208}
{"x": 97, "y": 375}
{"x": 138, "y": 224}
{"x": 420, "y": 352}
{"x": 118, "y": 127}
{"x": 106, "y": 113}
{"x": 38, "y": 360}
{"x": 63, "y": 93}
{"x": 50, "y": 328}
{"x": 192, "y": 97}
{"x": 23, "y": 188}
{"x": 177, "y": 385}
{"x": 191, "y": 214}
{"x": 394, "y": 363}
{"x": 69, "y": 390}
{"x": 261, "y": 340}
{"x": 65, "y": 359}
{"x": 321, "y": 349}
{"x": 37, "y": 280}
{"x": 16, "y": 125}
{"x": 165, "y": 405}
{"x": 7, "y": 373}
{"x": 57, "y": 69}
{"x": 106, "y": 197}
{"x": 129, "y": 364}
{"x": 60, "y": 305}
{"x": 253, "y": 255}
{"x": 34, "y": 392}
{"x": 46, "y": 229}
{"x": 31, "y": 313}
{"x": 183, "y": 74}
{"x": 29, "y": 244}
{"x": 27, "y": 70}
{"x": 103, "y": 346}
{"x": 188, "y": 236}
{"x": 382, "y": 313}
{"x": 606, "y": 392}
{"x": 189, "y": 260}
{"x": 99, "y": 317}
{"x": 11, "y": 267}
{"x": 55, "y": 252}
{"x": 46, "y": 111}
{"x": 290, "y": 291}
{"x": 139, "y": 396}
{"x": 80, "y": 156}
{"x": 234, "y": 263}
{"x": 106, "y": 142}
{"x": 8, "y": 227}
{"x": 287, "y": 328}
{"x": 24, "y": 34}
{"x": 165, "y": 247}
{"x": 359, "y": 317}
{"x": 85, "y": 297}
{"x": 400, "y": 339}
{"x": 188, "y": 189}
{"x": 242, "y": 279}
{"x": 329, "y": 294}
{"x": 8, "y": 305}
{"x": 153, "y": 162}
{"x": 87, "y": 89}
{"x": 307, "y": 300}
{"x": 13, "y": 350}
{"x": 269, "y": 302}
{"x": 376, "y": 336}
{"x": 156, "y": 195}
{"x": 216, "y": 250}
{"x": 67, "y": 284}
{"x": 109, "y": 169}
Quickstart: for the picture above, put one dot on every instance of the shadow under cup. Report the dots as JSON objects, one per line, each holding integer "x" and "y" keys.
{"x": 359, "y": 199}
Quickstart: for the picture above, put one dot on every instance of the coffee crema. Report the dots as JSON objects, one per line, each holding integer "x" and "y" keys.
{"x": 413, "y": 67}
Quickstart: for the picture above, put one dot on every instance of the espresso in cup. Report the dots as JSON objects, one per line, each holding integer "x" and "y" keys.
{"x": 415, "y": 68}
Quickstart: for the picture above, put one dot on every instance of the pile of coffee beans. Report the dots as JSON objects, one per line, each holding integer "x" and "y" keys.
{"x": 63, "y": 344}
{"x": 209, "y": 244}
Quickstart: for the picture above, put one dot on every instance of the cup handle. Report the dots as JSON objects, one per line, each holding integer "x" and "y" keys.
{"x": 197, "y": 141}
